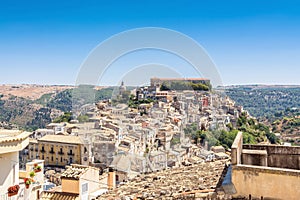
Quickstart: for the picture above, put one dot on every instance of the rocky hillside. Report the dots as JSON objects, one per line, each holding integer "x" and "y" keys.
{"x": 30, "y": 92}
{"x": 31, "y": 106}
{"x": 288, "y": 128}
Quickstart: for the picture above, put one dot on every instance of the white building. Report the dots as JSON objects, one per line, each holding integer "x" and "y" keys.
{"x": 11, "y": 142}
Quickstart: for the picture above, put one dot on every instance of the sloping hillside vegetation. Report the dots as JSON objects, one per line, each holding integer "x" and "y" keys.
{"x": 253, "y": 133}
{"x": 32, "y": 114}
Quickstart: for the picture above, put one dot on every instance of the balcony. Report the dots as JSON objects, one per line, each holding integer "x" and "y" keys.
{"x": 36, "y": 149}
{"x": 52, "y": 152}
{"x": 43, "y": 151}
{"x": 61, "y": 153}
{"x": 70, "y": 154}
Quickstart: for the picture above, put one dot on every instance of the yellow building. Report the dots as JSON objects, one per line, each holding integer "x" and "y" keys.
{"x": 57, "y": 150}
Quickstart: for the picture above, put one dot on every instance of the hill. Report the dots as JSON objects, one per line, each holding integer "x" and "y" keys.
{"x": 30, "y": 92}
{"x": 288, "y": 128}
{"x": 275, "y": 105}
{"x": 266, "y": 102}
{"x": 34, "y": 106}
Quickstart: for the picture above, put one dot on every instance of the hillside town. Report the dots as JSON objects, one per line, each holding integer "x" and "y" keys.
{"x": 123, "y": 151}
{"x": 149, "y": 100}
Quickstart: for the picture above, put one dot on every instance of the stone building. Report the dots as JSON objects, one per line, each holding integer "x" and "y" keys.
{"x": 158, "y": 81}
{"x": 57, "y": 150}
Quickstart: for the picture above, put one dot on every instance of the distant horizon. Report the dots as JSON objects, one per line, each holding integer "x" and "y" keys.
{"x": 254, "y": 84}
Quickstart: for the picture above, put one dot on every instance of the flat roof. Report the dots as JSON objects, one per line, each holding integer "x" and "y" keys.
{"x": 61, "y": 139}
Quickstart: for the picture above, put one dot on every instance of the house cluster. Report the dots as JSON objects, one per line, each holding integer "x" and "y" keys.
{"x": 120, "y": 142}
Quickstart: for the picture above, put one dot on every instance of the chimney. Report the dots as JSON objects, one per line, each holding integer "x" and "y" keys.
{"x": 111, "y": 180}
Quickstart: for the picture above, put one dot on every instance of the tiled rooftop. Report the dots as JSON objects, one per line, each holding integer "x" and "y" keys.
{"x": 74, "y": 171}
{"x": 12, "y": 135}
{"x": 199, "y": 179}
{"x": 58, "y": 196}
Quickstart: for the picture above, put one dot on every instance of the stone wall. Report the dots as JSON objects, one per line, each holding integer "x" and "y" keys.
{"x": 265, "y": 182}
{"x": 265, "y": 171}
{"x": 236, "y": 149}
{"x": 70, "y": 186}
{"x": 279, "y": 156}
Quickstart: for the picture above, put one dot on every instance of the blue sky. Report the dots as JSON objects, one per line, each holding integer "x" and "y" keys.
{"x": 251, "y": 42}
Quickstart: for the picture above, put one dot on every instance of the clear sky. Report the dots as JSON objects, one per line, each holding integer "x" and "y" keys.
{"x": 251, "y": 42}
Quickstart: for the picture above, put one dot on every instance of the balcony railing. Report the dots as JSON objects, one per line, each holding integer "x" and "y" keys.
{"x": 70, "y": 154}
{"x": 43, "y": 151}
{"x": 51, "y": 151}
{"x": 61, "y": 153}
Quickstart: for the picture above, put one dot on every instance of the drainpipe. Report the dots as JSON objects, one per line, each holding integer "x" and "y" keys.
{"x": 111, "y": 180}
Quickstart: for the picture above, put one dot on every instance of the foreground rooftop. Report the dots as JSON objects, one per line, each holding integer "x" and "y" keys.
{"x": 202, "y": 179}
{"x": 13, "y": 140}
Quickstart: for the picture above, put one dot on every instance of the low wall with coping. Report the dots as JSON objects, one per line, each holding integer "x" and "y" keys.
{"x": 279, "y": 156}
{"x": 264, "y": 171}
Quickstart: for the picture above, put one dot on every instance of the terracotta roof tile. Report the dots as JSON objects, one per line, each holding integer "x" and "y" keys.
{"x": 59, "y": 196}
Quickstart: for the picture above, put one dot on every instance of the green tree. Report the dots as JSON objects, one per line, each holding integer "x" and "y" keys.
{"x": 66, "y": 117}
{"x": 83, "y": 118}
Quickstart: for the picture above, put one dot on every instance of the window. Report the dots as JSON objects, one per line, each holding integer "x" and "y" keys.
{"x": 60, "y": 159}
{"x": 43, "y": 156}
{"x": 51, "y": 158}
{"x": 14, "y": 173}
{"x": 84, "y": 187}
